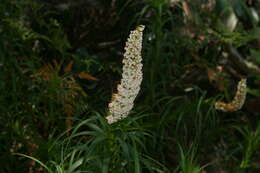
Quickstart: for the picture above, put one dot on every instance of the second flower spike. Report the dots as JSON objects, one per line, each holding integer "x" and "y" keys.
{"x": 238, "y": 100}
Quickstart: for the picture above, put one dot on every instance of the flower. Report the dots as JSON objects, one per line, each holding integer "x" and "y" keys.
{"x": 123, "y": 101}
{"x": 238, "y": 100}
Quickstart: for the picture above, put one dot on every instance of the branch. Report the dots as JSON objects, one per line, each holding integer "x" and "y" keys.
{"x": 241, "y": 62}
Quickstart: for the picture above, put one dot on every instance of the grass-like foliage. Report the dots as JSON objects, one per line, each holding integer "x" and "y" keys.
{"x": 186, "y": 100}
{"x": 96, "y": 146}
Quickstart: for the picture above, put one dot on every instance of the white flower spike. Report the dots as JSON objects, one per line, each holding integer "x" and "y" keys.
{"x": 238, "y": 100}
{"x": 122, "y": 102}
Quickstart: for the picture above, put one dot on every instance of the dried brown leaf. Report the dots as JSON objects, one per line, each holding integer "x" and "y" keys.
{"x": 87, "y": 76}
{"x": 68, "y": 68}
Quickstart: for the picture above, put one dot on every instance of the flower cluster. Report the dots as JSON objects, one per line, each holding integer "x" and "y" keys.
{"x": 238, "y": 100}
{"x": 122, "y": 102}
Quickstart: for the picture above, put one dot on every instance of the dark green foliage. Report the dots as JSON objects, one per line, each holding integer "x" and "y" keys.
{"x": 60, "y": 61}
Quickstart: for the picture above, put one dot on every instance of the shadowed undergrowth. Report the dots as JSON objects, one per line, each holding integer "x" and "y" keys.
{"x": 60, "y": 62}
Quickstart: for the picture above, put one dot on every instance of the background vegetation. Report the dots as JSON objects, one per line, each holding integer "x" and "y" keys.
{"x": 61, "y": 61}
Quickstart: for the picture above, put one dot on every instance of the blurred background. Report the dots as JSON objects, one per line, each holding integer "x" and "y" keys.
{"x": 60, "y": 62}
